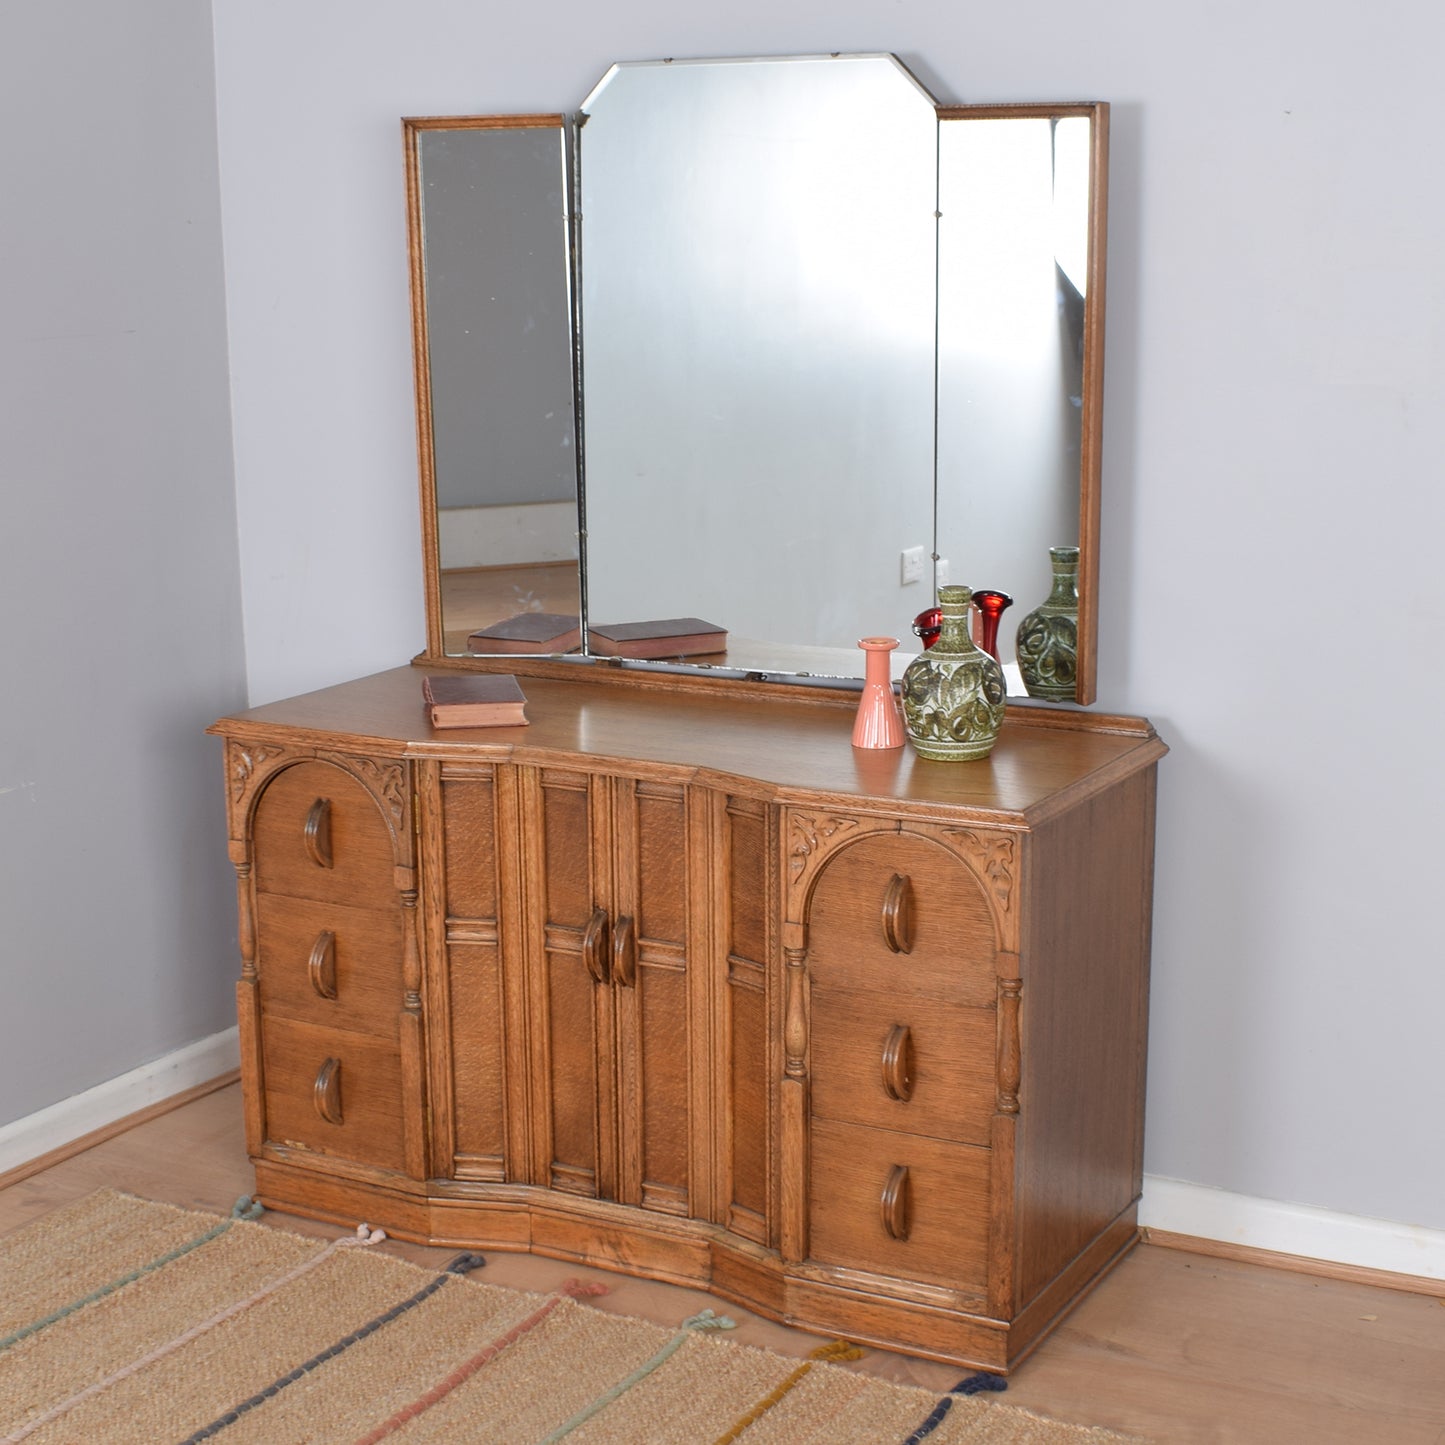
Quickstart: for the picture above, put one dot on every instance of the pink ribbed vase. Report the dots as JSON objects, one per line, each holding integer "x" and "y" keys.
{"x": 879, "y": 724}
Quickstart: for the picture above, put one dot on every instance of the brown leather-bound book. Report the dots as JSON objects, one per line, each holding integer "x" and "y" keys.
{"x": 474, "y": 700}
{"x": 670, "y": 637}
{"x": 529, "y": 632}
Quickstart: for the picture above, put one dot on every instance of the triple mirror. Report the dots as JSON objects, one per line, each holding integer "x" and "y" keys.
{"x": 778, "y": 346}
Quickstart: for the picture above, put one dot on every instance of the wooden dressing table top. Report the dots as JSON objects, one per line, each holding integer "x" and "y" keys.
{"x": 795, "y": 740}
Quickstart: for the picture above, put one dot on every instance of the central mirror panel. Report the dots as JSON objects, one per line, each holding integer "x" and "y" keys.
{"x": 758, "y": 304}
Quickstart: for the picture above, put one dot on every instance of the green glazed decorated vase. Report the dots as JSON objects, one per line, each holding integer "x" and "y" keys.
{"x": 953, "y": 692}
{"x": 1048, "y": 638}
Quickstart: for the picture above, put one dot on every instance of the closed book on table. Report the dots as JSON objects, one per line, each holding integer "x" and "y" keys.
{"x": 529, "y": 632}
{"x": 474, "y": 700}
{"x": 668, "y": 637}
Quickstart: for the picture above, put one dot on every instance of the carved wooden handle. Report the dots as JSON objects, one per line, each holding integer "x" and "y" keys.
{"x": 326, "y": 1094}
{"x": 898, "y": 1064}
{"x": 322, "y": 964}
{"x": 594, "y": 945}
{"x": 895, "y": 1203}
{"x": 318, "y": 833}
{"x": 898, "y": 914}
{"x": 624, "y": 953}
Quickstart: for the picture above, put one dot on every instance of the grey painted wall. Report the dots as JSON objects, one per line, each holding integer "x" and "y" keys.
{"x": 1275, "y": 424}
{"x": 119, "y": 581}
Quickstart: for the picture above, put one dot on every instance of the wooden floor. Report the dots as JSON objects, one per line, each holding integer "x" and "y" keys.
{"x": 1172, "y": 1347}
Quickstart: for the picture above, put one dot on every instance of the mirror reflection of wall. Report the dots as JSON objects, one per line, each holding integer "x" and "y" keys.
{"x": 758, "y": 330}
{"x": 499, "y": 343}
{"x": 1013, "y": 265}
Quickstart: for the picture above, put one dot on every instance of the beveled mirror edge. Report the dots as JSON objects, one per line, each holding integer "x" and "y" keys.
{"x": 412, "y": 129}
{"x": 1091, "y": 430}
{"x": 1091, "y": 439}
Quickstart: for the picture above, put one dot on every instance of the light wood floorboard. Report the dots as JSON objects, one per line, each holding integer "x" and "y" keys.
{"x": 1172, "y": 1347}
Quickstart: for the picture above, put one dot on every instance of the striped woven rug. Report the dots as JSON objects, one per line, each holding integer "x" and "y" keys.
{"x": 127, "y": 1321}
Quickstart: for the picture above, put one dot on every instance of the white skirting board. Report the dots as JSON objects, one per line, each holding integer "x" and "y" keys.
{"x": 82, "y": 1114}
{"x": 1178, "y": 1208}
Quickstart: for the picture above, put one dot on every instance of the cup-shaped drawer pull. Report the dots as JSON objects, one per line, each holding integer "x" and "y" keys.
{"x": 898, "y": 914}
{"x": 326, "y": 1094}
{"x": 318, "y": 833}
{"x": 624, "y": 952}
{"x": 594, "y": 945}
{"x": 321, "y": 966}
{"x": 898, "y": 1063}
{"x": 895, "y": 1202}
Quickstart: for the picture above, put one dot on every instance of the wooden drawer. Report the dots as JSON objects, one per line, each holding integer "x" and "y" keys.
{"x": 939, "y": 1222}
{"x": 329, "y": 964}
{"x": 899, "y": 914}
{"x": 920, "y": 1066}
{"x": 333, "y": 1092}
{"x": 317, "y": 833}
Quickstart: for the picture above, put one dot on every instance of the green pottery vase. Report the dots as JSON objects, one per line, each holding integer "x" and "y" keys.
{"x": 1048, "y": 638}
{"x": 953, "y": 693}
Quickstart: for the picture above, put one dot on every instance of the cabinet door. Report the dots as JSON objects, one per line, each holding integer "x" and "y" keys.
{"x": 566, "y": 823}
{"x": 610, "y": 985}
{"x": 652, "y": 983}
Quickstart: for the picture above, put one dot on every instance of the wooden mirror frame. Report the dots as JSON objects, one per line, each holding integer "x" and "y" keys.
{"x": 1091, "y": 420}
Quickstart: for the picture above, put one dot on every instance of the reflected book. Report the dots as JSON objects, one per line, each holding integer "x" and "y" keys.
{"x": 529, "y": 632}
{"x": 668, "y": 637}
{"x": 474, "y": 700}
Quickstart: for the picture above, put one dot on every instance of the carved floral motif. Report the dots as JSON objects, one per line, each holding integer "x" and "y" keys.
{"x": 387, "y": 781}
{"x": 811, "y": 832}
{"x": 992, "y": 857}
{"x": 245, "y": 760}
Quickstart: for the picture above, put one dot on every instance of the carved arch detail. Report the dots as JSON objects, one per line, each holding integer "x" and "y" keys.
{"x": 811, "y": 839}
{"x": 992, "y": 856}
{"x": 250, "y": 767}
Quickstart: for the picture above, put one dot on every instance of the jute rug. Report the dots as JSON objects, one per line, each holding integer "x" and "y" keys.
{"x": 126, "y": 1321}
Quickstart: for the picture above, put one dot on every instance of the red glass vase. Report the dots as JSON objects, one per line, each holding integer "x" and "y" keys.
{"x": 928, "y": 624}
{"x": 991, "y": 606}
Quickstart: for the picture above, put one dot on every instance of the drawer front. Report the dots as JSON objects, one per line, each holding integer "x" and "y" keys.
{"x": 317, "y": 833}
{"x": 900, "y": 1205}
{"x": 333, "y": 1093}
{"x": 898, "y": 913}
{"x": 329, "y": 964}
{"x": 899, "y": 1062}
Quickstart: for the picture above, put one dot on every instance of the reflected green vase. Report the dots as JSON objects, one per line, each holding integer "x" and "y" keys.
{"x": 1047, "y": 644}
{"x": 953, "y": 693}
